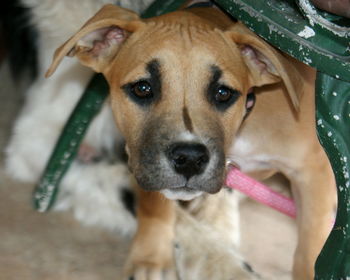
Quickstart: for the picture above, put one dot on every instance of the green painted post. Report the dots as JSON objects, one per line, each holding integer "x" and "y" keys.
{"x": 68, "y": 143}
{"x": 333, "y": 126}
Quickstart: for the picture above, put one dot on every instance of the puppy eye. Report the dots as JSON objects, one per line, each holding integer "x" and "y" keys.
{"x": 223, "y": 94}
{"x": 141, "y": 89}
{"x": 142, "y": 92}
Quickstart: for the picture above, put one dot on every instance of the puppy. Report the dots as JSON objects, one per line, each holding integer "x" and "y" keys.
{"x": 95, "y": 188}
{"x": 181, "y": 86}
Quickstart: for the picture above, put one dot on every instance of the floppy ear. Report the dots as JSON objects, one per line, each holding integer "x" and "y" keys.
{"x": 266, "y": 65}
{"x": 97, "y": 42}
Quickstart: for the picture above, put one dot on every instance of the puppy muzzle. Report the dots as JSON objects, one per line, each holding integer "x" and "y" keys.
{"x": 181, "y": 170}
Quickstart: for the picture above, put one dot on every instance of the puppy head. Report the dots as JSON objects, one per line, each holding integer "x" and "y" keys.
{"x": 178, "y": 88}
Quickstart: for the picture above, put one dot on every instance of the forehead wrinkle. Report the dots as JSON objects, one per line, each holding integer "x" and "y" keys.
{"x": 185, "y": 36}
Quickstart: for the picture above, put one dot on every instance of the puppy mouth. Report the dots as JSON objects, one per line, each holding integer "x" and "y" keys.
{"x": 181, "y": 193}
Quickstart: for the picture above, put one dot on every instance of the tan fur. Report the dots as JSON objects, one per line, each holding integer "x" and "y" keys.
{"x": 152, "y": 247}
{"x": 280, "y": 132}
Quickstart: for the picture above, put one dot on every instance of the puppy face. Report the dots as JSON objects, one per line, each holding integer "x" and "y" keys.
{"x": 178, "y": 100}
{"x": 178, "y": 87}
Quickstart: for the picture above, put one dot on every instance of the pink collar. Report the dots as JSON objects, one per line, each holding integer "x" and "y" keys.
{"x": 237, "y": 180}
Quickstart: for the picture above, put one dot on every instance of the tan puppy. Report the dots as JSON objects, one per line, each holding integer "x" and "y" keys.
{"x": 179, "y": 87}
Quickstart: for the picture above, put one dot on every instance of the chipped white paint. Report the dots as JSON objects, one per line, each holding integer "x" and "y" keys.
{"x": 334, "y": 93}
{"x": 67, "y": 155}
{"x": 307, "y": 32}
{"x": 273, "y": 29}
{"x": 315, "y": 18}
{"x": 329, "y": 134}
{"x": 320, "y": 123}
{"x": 336, "y": 117}
{"x": 307, "y": 60}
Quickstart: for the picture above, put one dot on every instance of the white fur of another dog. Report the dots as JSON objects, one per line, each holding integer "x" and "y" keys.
{"x": 91, "y": 191}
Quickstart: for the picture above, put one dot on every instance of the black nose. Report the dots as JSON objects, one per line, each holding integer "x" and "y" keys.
{"x": 188, "y": 159}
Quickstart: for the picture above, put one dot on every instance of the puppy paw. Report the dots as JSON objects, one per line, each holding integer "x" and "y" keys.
{"x": 152, "y": 263}
{"x": 150, "y": 272}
